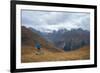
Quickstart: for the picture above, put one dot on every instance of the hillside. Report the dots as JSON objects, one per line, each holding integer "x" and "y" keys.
{"x": 29, "y": 38}
{"x": 28, "y": 55}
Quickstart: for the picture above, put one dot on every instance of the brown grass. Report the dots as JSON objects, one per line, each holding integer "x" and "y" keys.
{"x": 28, "y": 54}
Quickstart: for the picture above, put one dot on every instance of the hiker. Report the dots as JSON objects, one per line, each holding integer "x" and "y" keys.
{"x": 38, "y": 47}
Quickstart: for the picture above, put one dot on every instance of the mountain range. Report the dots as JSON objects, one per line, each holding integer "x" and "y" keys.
{"x": 62, "y": 39}
{"x": 67, "y": 39}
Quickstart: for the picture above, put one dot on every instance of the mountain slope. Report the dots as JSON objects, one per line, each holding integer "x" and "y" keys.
{"x": 29, "y": 38}
{"x": 79, "y": 54}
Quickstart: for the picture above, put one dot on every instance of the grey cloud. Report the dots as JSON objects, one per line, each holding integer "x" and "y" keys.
{"x": 40, "y": 19}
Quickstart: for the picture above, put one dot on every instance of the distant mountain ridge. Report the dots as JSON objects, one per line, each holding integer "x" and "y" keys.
{"x": 66, "y": 39}
{"x": 73, "y": 39}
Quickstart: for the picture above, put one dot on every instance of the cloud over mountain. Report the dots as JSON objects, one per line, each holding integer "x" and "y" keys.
{"x": 48, "y": 20}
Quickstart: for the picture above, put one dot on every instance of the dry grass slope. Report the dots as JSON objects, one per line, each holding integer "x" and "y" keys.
{"x": 28, "y": 54}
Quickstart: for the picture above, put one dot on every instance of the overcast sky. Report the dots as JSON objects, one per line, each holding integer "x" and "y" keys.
{"x": 48, "y": 21}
